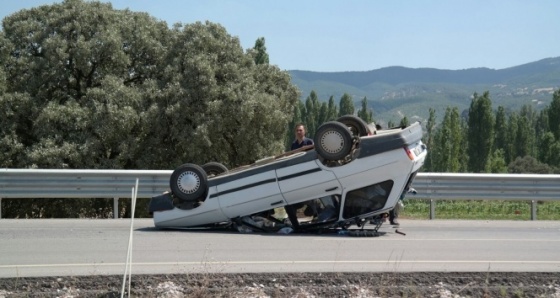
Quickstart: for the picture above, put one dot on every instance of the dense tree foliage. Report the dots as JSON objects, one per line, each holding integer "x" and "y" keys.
{"x": 315, "y": 111}
{"x": 448, "y": 151}
{"x": 480, "y": 133}
{"x": 346, "y": 105}
{"x": 260, "y": 54}
{"x": 554, "y": 115}
{"x": 88, "y": 86}
{"x": 522, "y": 141}
{"x": 429, "y": 136}
{"x": 364, "y": 113}
{"x": 83, "y": 85}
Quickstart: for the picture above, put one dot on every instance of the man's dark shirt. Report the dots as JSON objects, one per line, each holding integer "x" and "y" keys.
{"x": 305, "y": 142}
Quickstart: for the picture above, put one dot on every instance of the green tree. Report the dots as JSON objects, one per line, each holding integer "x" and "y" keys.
{"x": 404, "y": 122}
{"x": 447, "y": 153}
{"x": 529, "y": 129}
{"x": 346, "y": 105}
{"x": 261, "y": 56}
{"x": 70, "y": 63}
{"x": 541, "y": 130}
{"x": 511, "y": 150}
{"x": 365, "y": 113}
{"x": 546, "y": 144}
{"x": 549, "y": 150}
{"x": 554, "y": 114}
{"x": 528, "y": 165}
{"x": 323, "y": 114}
{"x": 216, "y": 104}
{"x": 429, "y": 138}
{"x": 313, "y": 107}
{"x": 14, "y": 108}
{"x": 332, "y": 109}
{"x": 524, "y": 137}
{"x": 480, "y": 133}
{"x": 500, "y": 128}
{"x": 85, "y": 86}
{"x": 497, "y": 163}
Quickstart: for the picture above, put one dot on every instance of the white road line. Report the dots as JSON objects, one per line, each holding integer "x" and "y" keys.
{"x": 548, "y": 262}
{"x": 434, "y": 239}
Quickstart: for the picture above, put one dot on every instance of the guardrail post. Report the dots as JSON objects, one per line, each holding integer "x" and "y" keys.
{"x": 432, "y": 209}
{"x": 115, "y": 208}
{"x": 0, "y": 207}
{"x": 533, "y": 210}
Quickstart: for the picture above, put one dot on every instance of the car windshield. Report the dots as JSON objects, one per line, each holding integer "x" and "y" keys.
{"x": 367, "y": 199}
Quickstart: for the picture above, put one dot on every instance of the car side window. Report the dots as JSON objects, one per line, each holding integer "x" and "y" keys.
{"x": 367, "y": 199}
{"x": 321, "y": 210}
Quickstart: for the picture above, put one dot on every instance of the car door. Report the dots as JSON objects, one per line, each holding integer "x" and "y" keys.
{"x": 304, "y": 181}
{"x": 251, "y": 194}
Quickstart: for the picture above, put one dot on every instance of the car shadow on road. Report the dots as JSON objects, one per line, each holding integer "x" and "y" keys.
{"x": 230, "y": 231}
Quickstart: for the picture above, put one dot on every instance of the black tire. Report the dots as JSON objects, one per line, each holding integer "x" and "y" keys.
{"x": 357, "y": 126}
{"x": 333, "y": 141}
{"x": 214, "y": 169}
{"x": 189, "y": 182}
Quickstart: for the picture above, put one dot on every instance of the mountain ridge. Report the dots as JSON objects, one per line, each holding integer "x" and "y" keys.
{"x": 396, "y": 91}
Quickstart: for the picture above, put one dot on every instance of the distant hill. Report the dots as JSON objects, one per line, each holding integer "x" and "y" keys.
{"x": 396, "y": 91}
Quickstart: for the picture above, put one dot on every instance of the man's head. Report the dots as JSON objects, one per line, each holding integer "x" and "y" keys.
{"x": 300, "y": 131}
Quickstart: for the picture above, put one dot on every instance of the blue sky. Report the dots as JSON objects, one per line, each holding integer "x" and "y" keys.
{"x": 361, "y": 35}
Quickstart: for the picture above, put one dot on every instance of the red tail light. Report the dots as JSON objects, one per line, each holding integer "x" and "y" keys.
{"x": 409, "y": 153}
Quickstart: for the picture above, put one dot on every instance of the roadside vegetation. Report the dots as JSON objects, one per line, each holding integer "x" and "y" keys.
{"x": 481, "y": 210}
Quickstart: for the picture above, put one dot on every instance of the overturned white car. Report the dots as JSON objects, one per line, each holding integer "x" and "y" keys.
{"x": 352, "y": 175}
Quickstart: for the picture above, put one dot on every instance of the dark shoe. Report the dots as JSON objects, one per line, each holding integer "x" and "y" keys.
{"x": 395, "y": 222}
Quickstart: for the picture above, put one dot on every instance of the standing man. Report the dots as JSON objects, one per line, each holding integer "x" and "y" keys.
{"x": 394, "y": 214}
{"x": 301, "y": 140}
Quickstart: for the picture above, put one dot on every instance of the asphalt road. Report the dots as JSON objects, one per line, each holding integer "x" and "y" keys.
{"x": 63, "y": 247}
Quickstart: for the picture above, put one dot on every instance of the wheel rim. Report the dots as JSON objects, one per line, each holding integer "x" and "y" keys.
{"x": 188, "y": 182}
{"x": 332, "y": 141}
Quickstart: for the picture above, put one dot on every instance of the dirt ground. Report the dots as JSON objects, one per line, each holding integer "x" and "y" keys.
{"x": 392, "y": 284}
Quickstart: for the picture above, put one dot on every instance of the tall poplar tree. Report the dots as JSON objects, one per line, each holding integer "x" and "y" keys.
{"x": 332, "y": 109}
{"x": 365, "y": 113}
{"x": 500, "y": 128}
{"x": 261, "y": 56}
{"x": 554, "y": 114}
{"x": 447, "y": 153}
{"x": 346, "y": 105}
{"x": 429, "y": 137}
{"x": 541, "y": 129}
{"x": 404, "y": 122}
{"x": 323, "y": 114}
{"x": 528, "y": 130}
{"x": 480, "y": 133}
{"x": 313, "y": 108}
{"x": 511, "y": 150}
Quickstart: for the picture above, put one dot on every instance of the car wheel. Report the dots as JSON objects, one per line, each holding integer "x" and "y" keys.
{"x": 214, "y": 169}
{"x": 333, "y": 141}
{"x": 188, "y": 182}
{"x": 357, "y": 126}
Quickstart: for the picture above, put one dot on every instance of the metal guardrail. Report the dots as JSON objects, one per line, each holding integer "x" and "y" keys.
{"x": 102, "y": 184}
{"x": 467, "y": 186}
{"x": 38, "y": 183}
